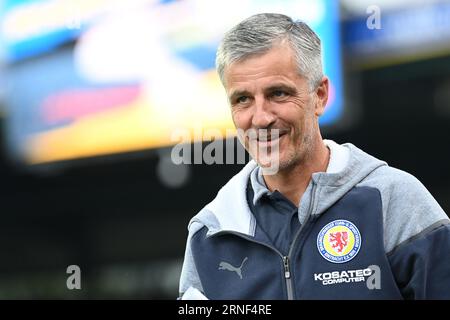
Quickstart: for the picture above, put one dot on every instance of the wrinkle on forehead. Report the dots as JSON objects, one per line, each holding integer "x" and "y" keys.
{"x": 276, "y": 65}
{"x": 277, "y": 55}
{"x": 263, "y": 84}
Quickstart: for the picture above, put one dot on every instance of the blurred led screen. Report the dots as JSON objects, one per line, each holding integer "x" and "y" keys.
{"x": 96, "y": 77}
{"x": 406, "y": 33}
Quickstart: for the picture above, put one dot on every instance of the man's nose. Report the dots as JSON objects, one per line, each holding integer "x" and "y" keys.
{"x": 263, "y": 115}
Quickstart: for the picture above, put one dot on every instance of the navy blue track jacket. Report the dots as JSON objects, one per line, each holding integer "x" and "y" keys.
{"x": 370, "y": 231}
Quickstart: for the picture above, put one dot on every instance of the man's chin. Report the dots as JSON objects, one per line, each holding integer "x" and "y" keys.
{"x": 275, "y": 165}
{"x": 269, "y": 165}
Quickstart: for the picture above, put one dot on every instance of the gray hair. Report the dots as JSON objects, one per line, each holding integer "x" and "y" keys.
{"x": 259, "y": 33}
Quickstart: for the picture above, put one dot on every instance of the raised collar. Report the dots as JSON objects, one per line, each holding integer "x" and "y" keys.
{"x": 339, "y": 156}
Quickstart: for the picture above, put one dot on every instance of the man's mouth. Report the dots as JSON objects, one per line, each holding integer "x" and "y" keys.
{"x": 267, "y": 139}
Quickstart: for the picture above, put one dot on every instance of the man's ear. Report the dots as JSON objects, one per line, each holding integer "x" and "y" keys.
{"x": 322, "y": 96}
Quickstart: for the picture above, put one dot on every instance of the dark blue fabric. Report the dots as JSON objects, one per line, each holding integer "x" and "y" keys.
{"x": 277, "y": 217}
{"x": 422, "y": 266}
{"x": 262, "y": 273}
{"x": 361, "y": 206}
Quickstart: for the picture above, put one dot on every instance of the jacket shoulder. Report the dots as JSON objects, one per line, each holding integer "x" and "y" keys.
{"x": 408, "y": 207}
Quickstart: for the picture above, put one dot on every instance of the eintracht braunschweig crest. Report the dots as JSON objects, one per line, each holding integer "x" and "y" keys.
{"x": 339, "y": 241}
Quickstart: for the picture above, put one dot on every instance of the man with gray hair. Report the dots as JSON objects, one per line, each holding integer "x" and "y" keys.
{"x": 332, "y": 222}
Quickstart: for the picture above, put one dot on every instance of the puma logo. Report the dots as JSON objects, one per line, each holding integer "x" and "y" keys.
{"x": 226, "y": 266}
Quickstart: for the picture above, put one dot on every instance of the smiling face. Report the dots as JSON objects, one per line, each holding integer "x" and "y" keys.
{"x": 267, "y": 92}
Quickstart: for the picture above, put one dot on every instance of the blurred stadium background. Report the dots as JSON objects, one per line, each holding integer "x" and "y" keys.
{"x": 91, "y": 92}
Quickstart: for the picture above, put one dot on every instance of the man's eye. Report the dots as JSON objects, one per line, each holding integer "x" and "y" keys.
{"x": 242, "y": 99}
{"x": 279, "y": 94}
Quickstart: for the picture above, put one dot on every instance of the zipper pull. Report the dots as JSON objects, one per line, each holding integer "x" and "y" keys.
{"x": 287, "y": 272}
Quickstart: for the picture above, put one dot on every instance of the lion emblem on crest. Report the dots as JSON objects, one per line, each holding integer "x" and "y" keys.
{"x": 339, "y": 240}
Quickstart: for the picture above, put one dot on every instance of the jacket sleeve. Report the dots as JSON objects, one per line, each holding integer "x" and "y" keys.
{"x": 421, "y": 265}
{"x": 417, "y": 233}
{"x": 189, "y": 278}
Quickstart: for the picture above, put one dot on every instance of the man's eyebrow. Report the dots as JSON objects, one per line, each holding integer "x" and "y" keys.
{"x": 283, "y": 87}
{"x": 238, "y": 93}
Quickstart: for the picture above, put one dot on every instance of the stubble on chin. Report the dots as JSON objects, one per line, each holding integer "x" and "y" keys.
{"x": 297, "y": 155}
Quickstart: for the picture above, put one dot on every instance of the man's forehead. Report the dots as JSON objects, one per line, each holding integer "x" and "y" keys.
{"x": 275, "y": 65}
{"x": 276, "y": 57}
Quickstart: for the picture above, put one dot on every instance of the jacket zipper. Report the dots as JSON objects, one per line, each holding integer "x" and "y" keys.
{"x": 287, "y": 272}
{"x": 286, "y": 259}
{"x": 287, "y": 277}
